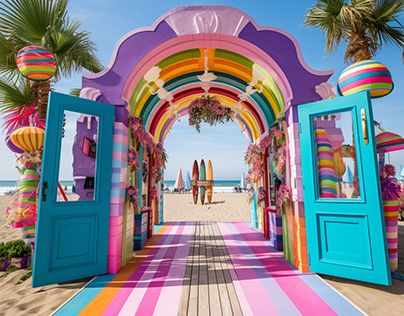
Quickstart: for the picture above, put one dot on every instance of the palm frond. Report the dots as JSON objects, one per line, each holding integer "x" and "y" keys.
{"x": 15, "y": 94}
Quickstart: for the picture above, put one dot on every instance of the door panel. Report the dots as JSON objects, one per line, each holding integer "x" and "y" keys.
{"x": 342, "y": 201}
{"x": 72, "y": 236}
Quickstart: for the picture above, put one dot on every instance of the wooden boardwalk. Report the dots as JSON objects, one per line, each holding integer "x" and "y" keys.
{"x": 208, "y": 288}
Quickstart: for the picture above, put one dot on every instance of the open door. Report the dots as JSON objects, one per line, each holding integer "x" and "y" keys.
{"x": 342, "y": 200}
{"x": 72, "y": 236}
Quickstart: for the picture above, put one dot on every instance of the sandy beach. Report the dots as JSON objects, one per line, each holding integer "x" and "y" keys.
{"x": 19, "y": 299}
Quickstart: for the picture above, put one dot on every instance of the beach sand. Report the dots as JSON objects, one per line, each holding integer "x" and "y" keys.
{"x": 22, "y": 299}
{"x": 18, "y": 299}
{"x": 224, "y": 207}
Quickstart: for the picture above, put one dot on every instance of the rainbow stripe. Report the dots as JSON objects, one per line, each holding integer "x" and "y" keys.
{"x": 152, "y": 282}
{"x": 388, "y": 141}
{"x": 36, "y": 63}
{"x": 326, "y": 167}
{"x": 367, "y": 75}
{"x": 390, "y": 209}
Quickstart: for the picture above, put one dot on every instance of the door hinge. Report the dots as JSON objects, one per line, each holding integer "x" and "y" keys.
{"x": 300, "y": 128}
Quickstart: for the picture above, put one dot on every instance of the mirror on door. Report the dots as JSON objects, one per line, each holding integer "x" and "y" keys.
{"x": 77, "y": 167}
{"x": 337, "y": 169}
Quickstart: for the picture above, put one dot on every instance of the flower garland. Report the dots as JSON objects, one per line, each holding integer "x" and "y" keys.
{"x": 209, "y": 110}
{"x": 160, "y": 160}
{"x": 283, "y": 198}
{"x": 391, "y": 188}
{"x": 255, "y": 158}
{"x": 133, "y": 194}
{"x": 277, "y": 142}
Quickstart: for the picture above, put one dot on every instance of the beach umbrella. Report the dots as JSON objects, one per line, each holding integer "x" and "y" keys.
{"x": 349, "y": 175}
{"x": 388, "y": 142}
{"x": 179, "y": 183}
{"x": 188, "y": 181}
{"x": 242, "y": 181}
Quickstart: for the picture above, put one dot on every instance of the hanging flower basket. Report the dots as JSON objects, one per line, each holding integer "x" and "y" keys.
{"x": 208, "y": 109}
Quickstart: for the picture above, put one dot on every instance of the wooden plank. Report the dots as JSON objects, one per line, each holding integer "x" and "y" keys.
{"x": 226, "y": 267}
{"x": 183, "y": 307}
{"x": 193, "y": 293}
{"x": 214, "y": 293}
{"x": 221, "y": 281}
{"x": 203, "y": 292}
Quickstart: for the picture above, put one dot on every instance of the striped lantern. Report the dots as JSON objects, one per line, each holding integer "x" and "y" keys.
{"x": 367, "y": 75}
{"x": 388, "y": 142}
{"x": 36, "y": 63}
{"x": 28, "y": 138}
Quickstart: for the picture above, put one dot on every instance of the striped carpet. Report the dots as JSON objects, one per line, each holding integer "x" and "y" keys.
{"x": 152, "y": 282}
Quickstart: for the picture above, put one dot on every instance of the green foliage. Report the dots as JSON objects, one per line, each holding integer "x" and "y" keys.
{"x": 25, "y": 276}
{"x": 16, "y": 94}
{"x": 14, "y": 249}
{"x": 364, "y": 24}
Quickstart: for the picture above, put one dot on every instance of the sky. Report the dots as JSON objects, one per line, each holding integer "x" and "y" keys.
{"x": 109, "y": 20}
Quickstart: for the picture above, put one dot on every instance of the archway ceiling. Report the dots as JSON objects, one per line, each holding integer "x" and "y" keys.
{"x": 235, "y": 74}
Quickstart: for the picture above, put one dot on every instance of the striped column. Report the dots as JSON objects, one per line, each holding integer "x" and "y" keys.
{"x": 118, "y": 193}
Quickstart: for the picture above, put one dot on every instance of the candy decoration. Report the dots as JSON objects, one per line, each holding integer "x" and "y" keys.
{"x": 28, "y": 138}
{"x": 388, "y": 142}
{"x": 22, "y": 210}
{"x": 36, "y": 63}
{"x": 367, "y": 75}
{"x": 326, "y": 168}
{"x": 390, "y": 209}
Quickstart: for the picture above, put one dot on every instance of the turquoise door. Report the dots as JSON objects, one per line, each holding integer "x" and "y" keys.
{"x": 72, "y": 236}
{"x": 342, "y": 200}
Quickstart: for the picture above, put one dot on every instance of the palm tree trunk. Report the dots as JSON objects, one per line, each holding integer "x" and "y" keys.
{"x": 42, "y": 90}
{"x": 359, "y": 48}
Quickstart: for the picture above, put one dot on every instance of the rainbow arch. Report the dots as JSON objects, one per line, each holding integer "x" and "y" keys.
{"x": 155, "y": 72}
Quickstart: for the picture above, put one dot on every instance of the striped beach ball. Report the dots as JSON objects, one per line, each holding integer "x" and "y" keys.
{"x": 36, "y": 63}
{"x": 367, "y": 75}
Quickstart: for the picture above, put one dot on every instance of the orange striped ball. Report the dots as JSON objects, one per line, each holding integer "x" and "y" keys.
{"x": 28, "y": 138}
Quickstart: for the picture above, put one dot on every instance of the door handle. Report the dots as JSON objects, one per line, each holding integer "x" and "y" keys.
{"x": 364, "y": 127}
{"x": 44, "y": 187}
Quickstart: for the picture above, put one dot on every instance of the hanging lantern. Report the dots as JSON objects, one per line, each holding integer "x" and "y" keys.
{"x": 36, "y": 63}
{"x": 367, "y": 75}
{"x": 8, "y": 131}
{"x": 388, "y": 142}
{"x": 28, "y": 138}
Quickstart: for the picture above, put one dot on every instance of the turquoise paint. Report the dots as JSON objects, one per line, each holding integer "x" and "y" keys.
{"x": 345, "y": 237}
{"x": 253, "y": 208}
{"x": 72, "y": 237}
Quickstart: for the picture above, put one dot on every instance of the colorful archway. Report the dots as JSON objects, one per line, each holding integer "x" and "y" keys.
{"x": 155, "y": 73}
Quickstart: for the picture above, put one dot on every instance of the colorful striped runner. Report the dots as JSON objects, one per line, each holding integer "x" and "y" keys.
{"x": 270, "y": 285}
{"x": 151, "y": 283}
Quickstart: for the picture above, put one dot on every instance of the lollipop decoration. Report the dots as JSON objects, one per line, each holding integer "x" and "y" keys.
{"x": 367, "y": 75}
{"x": 36, "y": 63}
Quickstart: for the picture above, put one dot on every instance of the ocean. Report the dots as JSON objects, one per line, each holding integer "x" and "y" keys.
{"x": 219, "y": 186}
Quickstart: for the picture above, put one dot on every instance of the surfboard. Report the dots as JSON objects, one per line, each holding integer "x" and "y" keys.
{"x": 209, "y": 177}
{"x": 195, "y": 178}
{"x": 202, "y": 177}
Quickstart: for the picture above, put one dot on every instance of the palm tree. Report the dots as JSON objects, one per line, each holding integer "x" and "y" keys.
{"x": 45, "y": 23}
{"x": 365, "y": 25}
